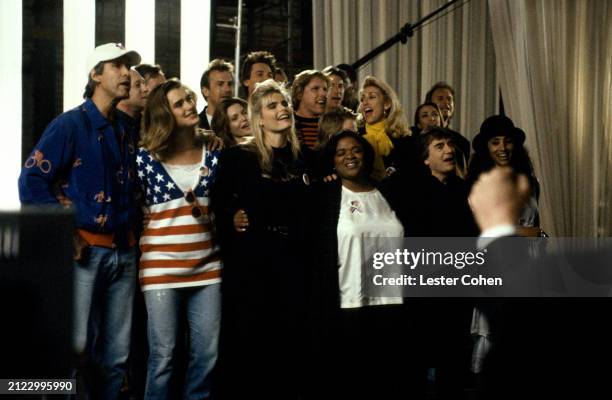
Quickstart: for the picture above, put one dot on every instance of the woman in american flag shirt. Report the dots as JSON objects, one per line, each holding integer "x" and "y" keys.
{"x": 180, "y": 267}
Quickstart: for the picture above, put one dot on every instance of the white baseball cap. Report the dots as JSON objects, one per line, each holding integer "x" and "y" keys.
{"x": 111, "y": 51}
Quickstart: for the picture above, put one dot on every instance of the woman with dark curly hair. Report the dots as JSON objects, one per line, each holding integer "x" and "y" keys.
{"x": 500, "y": 143}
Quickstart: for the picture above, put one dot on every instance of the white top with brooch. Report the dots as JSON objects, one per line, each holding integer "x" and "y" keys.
{"x": 177, "y": 244}
{"x": 187, "y": 176}
{"x": 365, "y": 225}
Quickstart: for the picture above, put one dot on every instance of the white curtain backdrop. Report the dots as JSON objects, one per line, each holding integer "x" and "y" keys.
{"x": 552, "y": 60}
{"x": 457, "y": 48}
{"x": 556, "y": 79}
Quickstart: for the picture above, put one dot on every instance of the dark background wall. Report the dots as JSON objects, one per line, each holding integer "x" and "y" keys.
{"x": 283, "y": 27}
{"x": 42, "y": 82}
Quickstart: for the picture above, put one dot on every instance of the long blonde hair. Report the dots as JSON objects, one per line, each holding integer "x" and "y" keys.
{"x": 263, "y": 91}
{"x": 158, "y": 122}
{"x": 396, "y": 125}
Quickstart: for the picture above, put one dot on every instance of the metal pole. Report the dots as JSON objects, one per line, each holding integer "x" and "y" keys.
{"x": 289, "y": 33}
{"x": 402, "y": 36}
{"x": 238, "y": 25}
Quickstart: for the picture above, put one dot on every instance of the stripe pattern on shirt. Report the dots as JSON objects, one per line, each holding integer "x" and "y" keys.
{"x": 178, "y": 250}
{"x": 307, "y": 130}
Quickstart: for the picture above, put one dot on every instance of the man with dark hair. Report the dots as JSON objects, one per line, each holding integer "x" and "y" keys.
{"x": 280, "y": 76}
{"x": 152, "y": 74}
{"x": 338, "y": 82}
{"x": 443, "y": 95}
{"x": 443, "y": 189}
{"x": 216, "y": 84}
{"x": 350, "y": 99}
{"x": 258, "y": 66}
{"x": 309, "y": 98}
{"x": 89, "y": 150}
{"x": 131, "y": 108}
{"x": 437, "y": 152}
{"x": 129, "y": 112}
{"x": 442, "y": 210}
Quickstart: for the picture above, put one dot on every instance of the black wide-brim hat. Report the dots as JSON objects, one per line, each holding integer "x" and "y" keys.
{"x": 497, "y": 125}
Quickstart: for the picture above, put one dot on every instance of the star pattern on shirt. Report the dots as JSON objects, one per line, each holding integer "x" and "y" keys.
{"x": 160, "y": 187}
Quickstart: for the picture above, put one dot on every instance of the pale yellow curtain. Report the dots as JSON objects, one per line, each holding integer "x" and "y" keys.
{"x": 554, "y": 60}
{"x": 457, "y": 48}
{"x": 551, "y": 58}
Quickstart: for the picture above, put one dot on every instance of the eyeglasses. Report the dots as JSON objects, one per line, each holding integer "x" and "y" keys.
{"x": 191, "y": 198}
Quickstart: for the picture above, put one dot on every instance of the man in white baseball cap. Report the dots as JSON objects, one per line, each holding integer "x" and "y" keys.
{"x": 85, "y": 159}
{"x": 104, "y": 54}
{"x": 111, "y": 51}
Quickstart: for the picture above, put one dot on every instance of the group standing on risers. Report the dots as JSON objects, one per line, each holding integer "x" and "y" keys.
{"x": 259, "y": 248}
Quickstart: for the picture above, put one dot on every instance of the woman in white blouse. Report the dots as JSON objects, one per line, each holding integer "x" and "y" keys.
{"x": 357, "y": 339}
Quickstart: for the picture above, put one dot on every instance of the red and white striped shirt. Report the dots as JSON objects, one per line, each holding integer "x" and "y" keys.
{"x": 178, "y": 249}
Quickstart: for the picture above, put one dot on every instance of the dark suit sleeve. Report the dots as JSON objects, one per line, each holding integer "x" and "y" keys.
{"x": 225, "y": 195}
{"x": 204, "y": 120}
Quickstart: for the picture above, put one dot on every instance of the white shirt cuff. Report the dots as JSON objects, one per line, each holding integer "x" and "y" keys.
{"x": 493, "y": 233}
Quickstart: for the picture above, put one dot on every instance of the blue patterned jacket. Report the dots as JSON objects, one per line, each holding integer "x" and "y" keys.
{"x": 90, "y": 160}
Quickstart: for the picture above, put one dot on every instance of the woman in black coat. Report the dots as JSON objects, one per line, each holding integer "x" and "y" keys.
{"x": 357, "y": 339}
{"x": 260, "y": 202}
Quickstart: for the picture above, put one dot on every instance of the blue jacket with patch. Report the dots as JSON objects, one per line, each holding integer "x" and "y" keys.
{"x": 90, "y": 160}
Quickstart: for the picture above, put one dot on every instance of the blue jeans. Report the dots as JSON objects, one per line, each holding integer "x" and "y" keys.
{"x": 104, "y": 286}
{"x": 165, "y": 307}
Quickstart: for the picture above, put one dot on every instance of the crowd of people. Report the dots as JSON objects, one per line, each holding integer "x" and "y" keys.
{"x": 245, "y": 226}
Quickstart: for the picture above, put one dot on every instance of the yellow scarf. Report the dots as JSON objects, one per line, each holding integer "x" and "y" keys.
{"x": 380, "y": 141}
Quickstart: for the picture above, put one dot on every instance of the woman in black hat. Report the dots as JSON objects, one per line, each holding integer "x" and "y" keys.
{"x": 500, "y": 143}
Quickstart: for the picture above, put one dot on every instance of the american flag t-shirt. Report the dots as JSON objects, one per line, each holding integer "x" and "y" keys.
{"x": 178, "y": 249}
